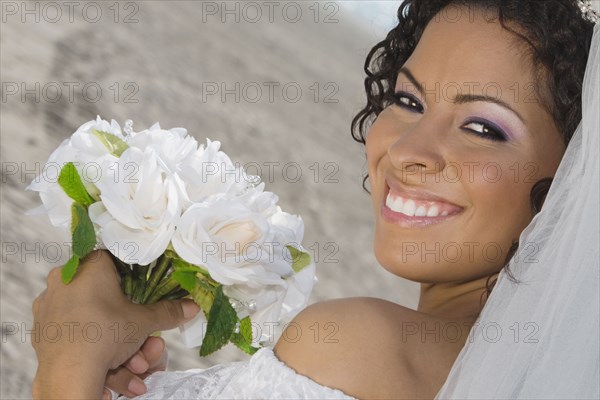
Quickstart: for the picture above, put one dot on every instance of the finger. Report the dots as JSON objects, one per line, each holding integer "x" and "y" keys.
{"x": 106, "y": 395}
{"x": 160, "y": 365}
{"x": 154, "y": 351}
{"x": 54, "y": 276}
{"x": 36, "y": 303}
{"x": 147, "y": 357}
{"x": 138, "y": 364}
{"x": 123, "y": 381}
{"x": 169, "y": 314}
{"x": 157, "y": 354}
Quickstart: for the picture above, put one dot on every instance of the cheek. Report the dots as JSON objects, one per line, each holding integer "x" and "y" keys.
{"x": 376, "y": 143}
{"x": 370, "y": 149}
{"x": 500, "y": 208}
{"x": 501, "y": 186}
{"x": 379, "y": 138}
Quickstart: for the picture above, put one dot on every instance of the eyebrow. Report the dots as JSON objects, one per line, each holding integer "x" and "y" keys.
{"x": 463, "y": 98}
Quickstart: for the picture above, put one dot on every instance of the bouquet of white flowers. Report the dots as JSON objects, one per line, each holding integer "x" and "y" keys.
{"x": 180, "y": 219}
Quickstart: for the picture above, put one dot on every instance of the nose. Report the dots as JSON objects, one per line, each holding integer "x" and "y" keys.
{"x": 418, "y": 150}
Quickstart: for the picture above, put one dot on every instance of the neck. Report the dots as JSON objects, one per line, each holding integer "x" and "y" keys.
{"x": 459, "y": 301}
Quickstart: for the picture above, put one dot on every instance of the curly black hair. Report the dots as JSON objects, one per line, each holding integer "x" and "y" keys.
{"x": 554, "y": 31}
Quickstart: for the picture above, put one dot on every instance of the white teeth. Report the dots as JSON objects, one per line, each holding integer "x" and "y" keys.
{"x": 388, "y": 202}
{"x": 397, "y": 204}
{"x": 433, "y": 212}
{"x": 394, "y": 204}
{"x": 409, "y": 208}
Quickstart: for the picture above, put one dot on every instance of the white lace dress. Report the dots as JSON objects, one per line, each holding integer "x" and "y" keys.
{"x": 264, "y": 376}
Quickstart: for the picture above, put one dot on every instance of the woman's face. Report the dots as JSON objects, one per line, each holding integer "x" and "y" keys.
{"x": 453, "y": 161}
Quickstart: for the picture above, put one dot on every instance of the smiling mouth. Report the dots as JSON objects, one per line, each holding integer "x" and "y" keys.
{"x": 416, "y": 209}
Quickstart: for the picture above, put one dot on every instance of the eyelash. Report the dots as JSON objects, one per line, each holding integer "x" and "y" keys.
{"x": 402, "y": 98}
{"x": 411, "y": 99}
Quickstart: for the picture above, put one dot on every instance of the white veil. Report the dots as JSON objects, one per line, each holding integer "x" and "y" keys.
{"x": 539, "y": 339}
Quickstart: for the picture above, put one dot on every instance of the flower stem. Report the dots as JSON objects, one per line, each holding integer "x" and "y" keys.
{"x": 176, "y": 294}
{"x": 128, "y": 285}
{"x": 155, "y": 277}
{"x": 125, "y": 274}
{"x": 123, "y": 268}
{"x": 140, "y": 283}
{"x": 163, "y": 289}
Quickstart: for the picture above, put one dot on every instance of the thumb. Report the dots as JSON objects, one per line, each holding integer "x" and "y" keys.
{"x": 169, "y": 314}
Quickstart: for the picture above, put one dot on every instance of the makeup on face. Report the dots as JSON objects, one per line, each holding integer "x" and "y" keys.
{"x": 488, "y": 116}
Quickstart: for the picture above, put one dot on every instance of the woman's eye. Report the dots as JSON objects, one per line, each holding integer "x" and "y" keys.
{"x": 486, "y": 130}
{"x": 408, "y": 101}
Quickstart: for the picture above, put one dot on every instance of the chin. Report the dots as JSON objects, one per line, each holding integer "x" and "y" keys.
{"x": 424, "y": 268}
{"x": 404, "y": 266}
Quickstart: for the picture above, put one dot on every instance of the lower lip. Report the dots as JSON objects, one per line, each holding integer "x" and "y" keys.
{"x": 406, "y": 221}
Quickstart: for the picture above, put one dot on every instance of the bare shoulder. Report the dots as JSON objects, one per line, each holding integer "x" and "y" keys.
{"x": 366, "y": 347}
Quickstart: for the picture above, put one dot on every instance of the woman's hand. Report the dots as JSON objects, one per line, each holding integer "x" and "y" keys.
{"x": 89, "y": 327}
{"x": 127, "y": 379}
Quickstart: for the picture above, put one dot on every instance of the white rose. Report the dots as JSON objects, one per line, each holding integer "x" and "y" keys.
{"x": 173, "y": 146}
{"x": 260, "y": 201}
{"x": 87, "y": 153}
{"x": 234, "y": 243}
{"x": 289, "y": 228}
{"x": 140, "y": 207}
{"x": 210, "y": 171}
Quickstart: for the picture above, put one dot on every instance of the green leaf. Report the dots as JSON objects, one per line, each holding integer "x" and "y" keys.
{"x": 186, "y": 275}
{"x": 70, "y": 181}
{"x": 69, "y": 269}
{"x": 243, "y": 339}
{"x": 184, "y": 266}
{"x": 204, "y": 295}
{"x": 82, "y": 229}
{"x": 186, "y": 279}
{"x": 221, "y": 324}
{"x": 300, "y": 259}
{"x": 246, "y": 329}
{"x": 114, "y": 145}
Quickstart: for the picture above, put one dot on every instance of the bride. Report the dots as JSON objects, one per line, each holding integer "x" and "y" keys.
{"x": 472, "y": 106}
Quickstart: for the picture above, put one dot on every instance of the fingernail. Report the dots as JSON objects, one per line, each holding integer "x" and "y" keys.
{"x": 137, "y": 387}
{"x": 189, "y": 309}
{"x": 139, "y": 364}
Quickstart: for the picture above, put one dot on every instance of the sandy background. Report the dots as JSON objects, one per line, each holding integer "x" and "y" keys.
{"x": 158, "y": 69}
